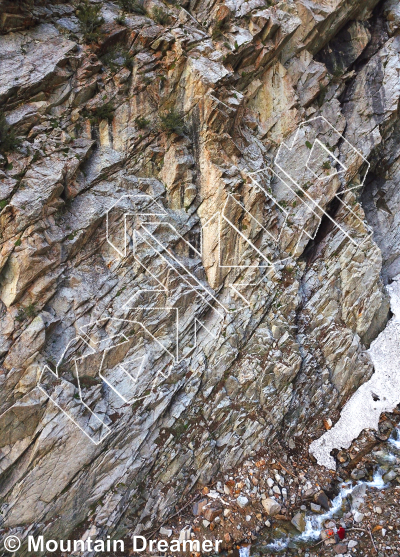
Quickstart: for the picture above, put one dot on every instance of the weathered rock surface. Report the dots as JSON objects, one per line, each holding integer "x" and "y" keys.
{"x": 271, "y": 506}
{"x": 299, "y": 522}
{"x": 240, "y": 78}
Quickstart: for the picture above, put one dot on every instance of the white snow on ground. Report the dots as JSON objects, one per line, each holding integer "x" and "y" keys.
{"x": 380, "y": 394}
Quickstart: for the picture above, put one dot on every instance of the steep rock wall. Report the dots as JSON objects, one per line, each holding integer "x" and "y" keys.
{"x": 244, "y": 76}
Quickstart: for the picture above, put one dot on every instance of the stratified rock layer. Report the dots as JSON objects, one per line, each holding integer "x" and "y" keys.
{"x": 236, "y": 79}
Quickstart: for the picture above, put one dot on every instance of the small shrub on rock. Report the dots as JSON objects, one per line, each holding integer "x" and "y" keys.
{"x": 218, "y": 28}
{"x": 142, "y": 122}
{"x": 118, "y": 57}
{"x": 160, "y": 16}
{"x": 172, "y": 122}
{"x": 132, "y": 6}
{"x": 89, "y": 20}
{"x": 27, "y": 312}
{"x": 105, "y": 112}
{"x": 120, "y": 20}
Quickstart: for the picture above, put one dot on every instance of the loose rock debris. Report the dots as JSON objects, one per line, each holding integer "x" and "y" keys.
{"x": 281, "y": 502}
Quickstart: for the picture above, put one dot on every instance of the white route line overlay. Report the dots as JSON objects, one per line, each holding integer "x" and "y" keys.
{"x": 158, "y": 213}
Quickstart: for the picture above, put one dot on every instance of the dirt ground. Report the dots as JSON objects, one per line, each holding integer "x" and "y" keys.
{"x": 264, "y": 505}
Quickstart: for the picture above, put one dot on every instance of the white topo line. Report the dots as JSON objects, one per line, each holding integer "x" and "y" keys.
{"x": 147, "y": 208}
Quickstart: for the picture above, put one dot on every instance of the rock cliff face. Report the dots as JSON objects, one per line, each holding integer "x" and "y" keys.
{"x": 169, "y": 305}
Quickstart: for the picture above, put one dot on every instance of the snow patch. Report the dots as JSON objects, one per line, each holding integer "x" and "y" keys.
{"x": 380, "y": 394}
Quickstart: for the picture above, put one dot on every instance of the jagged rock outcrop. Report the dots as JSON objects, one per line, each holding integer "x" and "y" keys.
{"x": 179, "y": 111}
